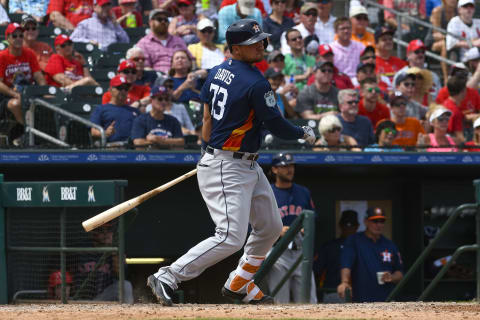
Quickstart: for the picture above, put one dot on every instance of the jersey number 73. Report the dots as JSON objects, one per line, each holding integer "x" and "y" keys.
{"x": 218, "y": 105}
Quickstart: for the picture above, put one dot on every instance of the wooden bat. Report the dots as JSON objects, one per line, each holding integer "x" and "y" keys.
{"x": 123, "y": 207}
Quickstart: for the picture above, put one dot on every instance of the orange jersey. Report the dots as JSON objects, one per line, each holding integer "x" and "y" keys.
{"x": 408, "y": 132}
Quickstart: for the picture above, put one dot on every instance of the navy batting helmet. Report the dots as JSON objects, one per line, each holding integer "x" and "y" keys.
{"x": 282, "y": 159}
{"x": 245, "y": 32}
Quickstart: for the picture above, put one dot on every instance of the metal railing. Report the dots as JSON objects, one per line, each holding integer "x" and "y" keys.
{"x": 305, "y": 220}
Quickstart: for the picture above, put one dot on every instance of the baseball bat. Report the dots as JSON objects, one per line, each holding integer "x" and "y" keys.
{"x": 123, "y": 207}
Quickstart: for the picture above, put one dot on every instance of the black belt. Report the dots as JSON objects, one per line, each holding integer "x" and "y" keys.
{"x": 236, "y": 155}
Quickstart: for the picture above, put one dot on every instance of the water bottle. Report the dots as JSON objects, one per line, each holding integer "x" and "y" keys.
{"x": 291, "y": 95}
{"x": 131, "y": 21}
{"x": 205, "y": 4}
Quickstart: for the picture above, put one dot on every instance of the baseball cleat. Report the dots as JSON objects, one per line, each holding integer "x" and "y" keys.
{"x": 235, "y": 297}
{"x": 161, "y": 290}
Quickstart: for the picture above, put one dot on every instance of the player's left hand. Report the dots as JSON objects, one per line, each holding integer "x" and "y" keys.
{"x": 309, "y": 135}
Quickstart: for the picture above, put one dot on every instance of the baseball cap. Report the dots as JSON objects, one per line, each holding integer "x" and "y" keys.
{"x": 127, "y": 1}
{"x": 402, "y": 76}
{"x": 462, "y": 3}
{"x": 246, "y": 7}
{"x": 271, "y": 73}
{"x": 438, "y": 113}
{"x": 158, "y": 91}
{"x": 117, "y": 81}
{"x": 325, "y": 49}
{"x": 357, "y": 10}
{"x": 154, "y": 12}
{"x": 476, "y": 123}
{"x": 362, "y": 65}
{"x": 471, "y": 54}
{"x": 273, "y": 55}
{"x": 101, "y": 3}
{"x": 382, "y": 30}
{"x": 282, "y": 159}
{"x": 414, "y": 45}
{"x": 55, "y": 278}
{"x": 375, "y": 214}
{"x": 459, "y": 66}
{"x": 397, "y": 95}
{"x": 311, "y": 43}
{"x": 61, "y": 39}
{"x": 11, "y": 28}
{"x": 322, "y": 63}
{"x": 308, "y": 6}
{"x": 349, "y": 218}
{"x": 126, "y": 64}
{"x": 187, "y": 2}
{"x": 26, "y": 18}
{"x": 205, "y": 23}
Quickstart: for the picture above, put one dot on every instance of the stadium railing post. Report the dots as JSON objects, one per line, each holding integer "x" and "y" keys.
{"x": 307, "y": 248}
{"x": 3, "y": 255}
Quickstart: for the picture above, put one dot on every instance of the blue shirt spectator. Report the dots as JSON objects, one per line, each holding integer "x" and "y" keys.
{"x": 36, "y": 8}
{"x": 271, "y": 23}
{"x": 430, "y": 5}
{"x": 229, "y": 14}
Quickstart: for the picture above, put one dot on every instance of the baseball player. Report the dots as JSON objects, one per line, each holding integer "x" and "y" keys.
{"x": 292, "y": 199}
{"x": 238, "y": 102}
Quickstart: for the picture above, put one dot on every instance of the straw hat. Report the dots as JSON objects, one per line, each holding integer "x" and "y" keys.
{"x": 427, "y": 78}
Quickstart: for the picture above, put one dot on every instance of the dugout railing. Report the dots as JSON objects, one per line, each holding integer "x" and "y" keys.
{"x": 459, "y": 251}
{"x": 305, "y": 220}
{"x": 40, "y": 231}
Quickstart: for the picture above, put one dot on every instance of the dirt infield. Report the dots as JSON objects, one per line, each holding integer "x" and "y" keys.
{"x": 411, "y": 310}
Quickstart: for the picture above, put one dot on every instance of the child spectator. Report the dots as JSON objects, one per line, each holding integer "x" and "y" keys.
{"x": 384, "y": 135}
{"x": 127, "y": 15}
{"x": 185, "y": 24}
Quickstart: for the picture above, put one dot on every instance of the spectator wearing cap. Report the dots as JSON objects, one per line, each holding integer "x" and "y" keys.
{"x": 276, "y": 78}
{"x": 408, "y": 128}
{"x": 18, "y": 68}
{"x": 127, "y": 15}
{"x": 64, "y": 70}
{"x": 66, "y": 14}
{"x": 101, "y": 29}
{"x": 368, "y": 57}
{"x": 310, "y": 43}
{"x": 115, "y": 117}
{"x": 386, "y": 65}
{"x": 359, "y": 19}
{"x": 405, "y": 83}
{"x": 324, "y": 25}
{"x": 138, "y": 95}
{"x": 186, "y": 83}
{"x": 4, "y": 19}
{"x": 369, "y": 104}
{"x": 416, "y": 59}
{"x": 243, "y": 9}
{"x": 42, "y": 50}
{"x": 331, "y": 138}
{"x": 415, "y": 9}
{"x": 297, "y": 64}
{"x": 320, "y": 98}
{"x": 340, "y": 80}
{"x": 364, "y": 255}
{"x": 439, "y": 140}
{"x": 291, "y": 199}
{"x": 346, "y": 52}
{"x": 276, "y": 23}
{"x": 207, "y": 54}
{"x": 464, "y": 26}
{"x": 385, "y": 134}
{"x": 474, "y": 144}
{"x": 185, "y": 24}
{"x": 159, "y": 46}
{"x": 36, "y": 8}
{"x": 471, "y": 60}
{"x": 364, "y": 71}
{"x": 327, "y": 263}
{"x": 454, "y": 103}
{"x": 144, "y": 77}
{"x": 155, "y": 128}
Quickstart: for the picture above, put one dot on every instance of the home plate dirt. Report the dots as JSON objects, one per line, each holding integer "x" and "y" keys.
{"x": 410, "y": 310}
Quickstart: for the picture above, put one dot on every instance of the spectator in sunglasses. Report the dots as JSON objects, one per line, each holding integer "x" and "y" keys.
{"x": 144, "y": 77}
{"x": 331, "y": 138}
{"x": 101, "y": 29}
{"x": 359, "y": 19}
{"x": 439, "y": 140}
{"x": 42, "y": 50}
{"x": 155, "y": 128}
{"x": 115, "y": 117}
{"x": 384, "y": 135}
{"x": 207, "y": 54}
{"x": 408, "y": 128}
{"x": 64, "y": 69}
{"x": 276, "y": 23}
{"x": 185, "y": 24}
{"x": 370, "y": 105}
{"x": 127, "y": 15}
{"x": 159, "y": 46}
{"x": 298, "y": 65}
{"x": 138, "y": 95}
{"x": 405, "y": 83}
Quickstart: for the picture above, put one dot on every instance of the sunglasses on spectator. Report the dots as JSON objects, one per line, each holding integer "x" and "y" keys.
{"x": 334, "y": 129}
{"x": 361, "y": 17}
{"x": 377, "y": 90}
{"x": 399, "y": 104}
{"x": 279, "y": 59}
{"x": 390, "y": 130}
{"x": 279, "y": 1}
{"x": 129, "y": 71}
{"x": 162, "y": 98}
{"x": 311, "y": 13}
{"x": 137, "y": 59}
{"x": 409, "y": 84}
{"x": 296, "y": 38}
{"x": 68, "y": 43}
{"x": 30, "y": 29}
{"x": 367, "y": 57}
{"x": 18, "y": 35}
{"x": 352, "y": 102}
{"x": 443, "y": 119}
{"x": 123, "y": 88}
{"x": 207, "y": 30}
{"x": 159, "y": 19}
{"x": 420, "y": 51}
{"x": 326, "y": 70}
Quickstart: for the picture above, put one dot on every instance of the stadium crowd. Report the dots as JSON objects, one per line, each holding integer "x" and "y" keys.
{"x": 352, "y": 85}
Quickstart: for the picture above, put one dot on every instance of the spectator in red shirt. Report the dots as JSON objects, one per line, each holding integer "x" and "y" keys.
{"x": 340, "y": 80}
{"x": 64, "y": 69}
{"x": 370, "y": 105}
{"x": 18, "y": 68}
{"x": 456, "y": 88}
{"x": 67, "y": 14}
{"x": 386, "y": 64}
{"x": 42, "y": 50}
{"x": 138, "y": 95}
{"x": 126, "y": 14}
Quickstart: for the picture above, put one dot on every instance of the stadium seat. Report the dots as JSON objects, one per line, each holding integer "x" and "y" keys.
{"x": 73, "y": 132}
{"x": 118, "y": 48}
{"x": 109, "y": 61}
{"x": 103, "y": 76}
{"x": 136, "y": 34}
{"x": 90, "y": 52}
{"x": 86, "y": 94}
{"x": 15, "y": 17}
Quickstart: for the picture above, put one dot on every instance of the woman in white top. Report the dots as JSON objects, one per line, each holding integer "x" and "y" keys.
{"x": 207, "y": 54}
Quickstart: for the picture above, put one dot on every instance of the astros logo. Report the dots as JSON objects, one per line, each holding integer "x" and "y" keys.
{"x": 387, "y": 256}
{"x": 256, "y": 28}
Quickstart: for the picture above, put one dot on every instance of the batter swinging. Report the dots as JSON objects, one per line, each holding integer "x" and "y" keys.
{"x": 238, "y": 102}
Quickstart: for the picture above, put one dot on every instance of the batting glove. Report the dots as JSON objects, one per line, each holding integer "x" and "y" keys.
{"x": 309, "y": 136}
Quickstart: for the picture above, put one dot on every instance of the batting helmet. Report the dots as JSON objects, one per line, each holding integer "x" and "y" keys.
{"x": 245, "y": 32}
{"x": 282, "y": 159}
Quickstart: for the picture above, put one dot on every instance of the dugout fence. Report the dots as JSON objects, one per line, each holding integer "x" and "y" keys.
{"x": 44, "y": 251}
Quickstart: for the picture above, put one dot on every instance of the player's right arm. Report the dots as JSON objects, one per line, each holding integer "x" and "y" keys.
{"x": 207, "y": 123}
{"x": 345, "y": 275}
